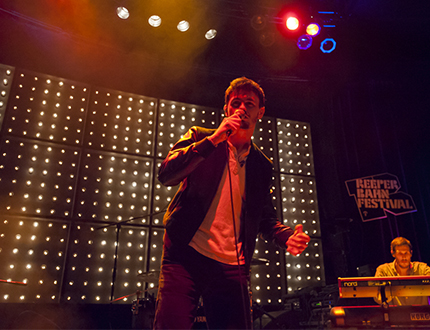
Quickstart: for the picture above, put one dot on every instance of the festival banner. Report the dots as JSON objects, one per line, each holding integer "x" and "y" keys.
{"x": 378, "y": 194}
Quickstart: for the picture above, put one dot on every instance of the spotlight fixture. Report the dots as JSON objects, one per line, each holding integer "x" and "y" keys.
{"x": 313, "y": 29}
{"x": 211, "y": 34}
{"x": 258, "y": 22}
{"x": 267, "y": 39}
{"x": 122, "y": 12}
{"x": 183, "y": 26}
{"x": 154, "y": 21}
{"x": 328, "y": 45}
{"x": 304, "y": 42}
{"x": 292, "y": 23}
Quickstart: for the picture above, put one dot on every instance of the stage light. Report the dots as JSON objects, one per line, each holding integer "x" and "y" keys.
{"x": 154, "y": 21}
{"x": 183, "y": 26}
{"x": 211, "y": 34}
{"x": 122, "y": 12}
{"x": 258, "y": 22}
{"x": 313, "y": 29}
{"x": 267, "y": 38}
{"x": 304, "y": 42}
{"x": 328, "y": 45}
{"x": 338, "y": 311}
{"x": 292, "y": 23}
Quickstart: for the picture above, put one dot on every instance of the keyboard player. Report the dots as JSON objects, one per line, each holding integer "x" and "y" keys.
{"x": 401, "y": 250}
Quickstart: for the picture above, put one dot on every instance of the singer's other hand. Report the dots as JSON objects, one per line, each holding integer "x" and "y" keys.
{"x": 297, "y": 242}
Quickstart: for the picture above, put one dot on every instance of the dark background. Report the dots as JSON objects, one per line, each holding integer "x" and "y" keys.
{"x": 366, "y": 102}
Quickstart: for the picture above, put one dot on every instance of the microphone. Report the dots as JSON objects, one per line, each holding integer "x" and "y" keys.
{"x": 230, "y": 131}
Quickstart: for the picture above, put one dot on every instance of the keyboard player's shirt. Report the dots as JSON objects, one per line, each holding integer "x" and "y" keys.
{"x": 416, "y": 269}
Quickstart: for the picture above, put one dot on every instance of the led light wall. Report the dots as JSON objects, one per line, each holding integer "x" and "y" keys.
{"x": 288, "y": 145}
{"x": 80, "y": 205}
{"x": 299, "y": 202}
{"x": 6, "y": 74}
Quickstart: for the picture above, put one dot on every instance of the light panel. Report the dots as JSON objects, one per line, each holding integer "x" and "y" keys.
{"x": 132, "y": 260}
{"x": 267, "y": 278}
{"x": 264, "y": 138}
{"x": 162, "y": 197}
{"x": 38, "y": 178}
{"x": 155, "y": 251}
{"x": 295, "y": 148}
{"x": 306, "y": 270}
{"x": 32, "y": 251}
{"x": 174, "y": 119}
{"x": 47, "y": 108}
{"x": 299, "y": 203}
{"x": 6, "y": 74}
{"x": 114, "y": 187}
{"x": 121, "y": 122}
{"x": 140, "y": 255}
{"x": 88, "y": 276}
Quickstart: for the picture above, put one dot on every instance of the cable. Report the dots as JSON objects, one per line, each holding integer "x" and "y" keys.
{"x": 134, "y": 218}
{"x": 236, "y": 241}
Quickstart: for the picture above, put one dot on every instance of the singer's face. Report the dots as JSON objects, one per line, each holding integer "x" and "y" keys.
{"x": 247, "y": 103}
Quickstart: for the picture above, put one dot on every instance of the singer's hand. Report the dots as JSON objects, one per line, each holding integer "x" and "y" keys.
{"x": 297, "y": 242}
{"x": 227, "y": 128}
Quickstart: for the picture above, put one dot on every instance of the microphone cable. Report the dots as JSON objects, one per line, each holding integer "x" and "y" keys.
{"x": 245, "y": 315}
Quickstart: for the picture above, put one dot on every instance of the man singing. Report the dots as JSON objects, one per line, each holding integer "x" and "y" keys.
{"x": 223, "y": 202}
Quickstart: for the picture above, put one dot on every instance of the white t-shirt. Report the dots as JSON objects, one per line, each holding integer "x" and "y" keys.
{"x": 215, "y": 237}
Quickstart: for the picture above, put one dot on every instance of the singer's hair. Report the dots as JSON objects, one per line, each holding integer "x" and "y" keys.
{"x": 246, "y": 84}
{"x": 399, "y": 241}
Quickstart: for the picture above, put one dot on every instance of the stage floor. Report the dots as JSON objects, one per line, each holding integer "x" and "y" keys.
{"x": 65, "y": 316}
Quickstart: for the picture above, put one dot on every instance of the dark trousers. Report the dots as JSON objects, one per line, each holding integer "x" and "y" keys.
{"x": 185, "y": 276}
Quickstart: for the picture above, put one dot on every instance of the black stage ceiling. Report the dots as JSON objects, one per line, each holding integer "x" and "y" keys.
{"x": 86, "y": 41}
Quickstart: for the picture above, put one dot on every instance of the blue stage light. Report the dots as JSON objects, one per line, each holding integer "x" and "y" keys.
{"x": 304, "y": 42}
{"x": 328, "y": 45}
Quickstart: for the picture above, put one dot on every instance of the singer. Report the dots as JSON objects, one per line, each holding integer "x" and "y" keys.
{"x": 223, "y": 202}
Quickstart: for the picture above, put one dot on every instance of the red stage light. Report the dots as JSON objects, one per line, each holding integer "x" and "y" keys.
{"x": 292, "y": 23}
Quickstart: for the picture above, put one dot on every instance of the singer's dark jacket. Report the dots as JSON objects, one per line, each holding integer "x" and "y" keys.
{"x": 197, "y": 165}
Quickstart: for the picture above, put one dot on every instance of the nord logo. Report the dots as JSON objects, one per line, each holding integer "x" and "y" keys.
{"x": 350, "y": 283}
